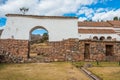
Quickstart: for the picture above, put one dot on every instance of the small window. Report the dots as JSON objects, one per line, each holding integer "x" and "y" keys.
{"x": 109, "y": 38}
{"x": 102, "y": 38}
{"x": 95, "y": 38}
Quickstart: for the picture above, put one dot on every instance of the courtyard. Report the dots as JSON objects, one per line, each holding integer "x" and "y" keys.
{"x": 41, "y": 71}
{"x": 106, "y": 73}
{"x": 105, "y": 70}
{"x": 59, "y": 71}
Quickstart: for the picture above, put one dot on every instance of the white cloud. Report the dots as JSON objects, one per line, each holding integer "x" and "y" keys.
{"x": 2, "y": 27}
{"x": 98, "y": 14}
{"x": 82, "y": 19}
{"x": 103, "y": 1}
{"x": 12, "y": 6}
{"x": 109, "y": 15}
{"x": 100, "y": 10}
{"x": 2, "y": 2}
{"x": 87, "y": 11}
{"x": 59, "y": 7}
{"x": 44, "y": 7}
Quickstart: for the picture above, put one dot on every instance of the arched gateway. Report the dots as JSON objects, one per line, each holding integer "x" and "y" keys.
{"x": 35, "y": 28}
{"x": 59, "y": 27}
{"x": 16, "y": 35}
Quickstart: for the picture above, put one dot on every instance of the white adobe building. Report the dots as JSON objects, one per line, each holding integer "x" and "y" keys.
{"x": 116, "y": 26}
{"x": 98, "y": 30}
{"x": 20, "y": 26}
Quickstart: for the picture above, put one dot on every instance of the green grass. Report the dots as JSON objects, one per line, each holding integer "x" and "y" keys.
{"x": 104, "y": 70}
{"x": 58, "y": 71}
{"x": 106, "y": 73}
{"x": 40, "y": 71}
{"x": 97, "y": 64}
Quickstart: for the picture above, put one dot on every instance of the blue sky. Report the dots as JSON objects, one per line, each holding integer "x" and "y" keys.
{"x": 39, "y": 31}
{"x": 83, "y": 9}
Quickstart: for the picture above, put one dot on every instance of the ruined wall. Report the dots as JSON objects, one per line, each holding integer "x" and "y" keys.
{"x": 67, "y": 50}
{"x": 98, "y": 50}
{"x": 74, "y": 49}
{"x": 13, "y": 50}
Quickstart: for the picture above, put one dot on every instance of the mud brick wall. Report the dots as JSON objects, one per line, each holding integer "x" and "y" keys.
{"x": 16, "y": 48}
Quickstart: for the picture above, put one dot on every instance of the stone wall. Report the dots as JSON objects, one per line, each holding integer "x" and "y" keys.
{"x": 74, "y": 50}
{"x": 98, "y": 51}
{"x": 67, "y": 50}
{"x": 13, "y": 50}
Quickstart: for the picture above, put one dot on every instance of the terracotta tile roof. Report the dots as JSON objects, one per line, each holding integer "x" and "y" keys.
{"x": 114, "y": 23}
{"x": 43, "y": 17}
{"x": 96, "y": 31}
{"x": 94, "y": 24}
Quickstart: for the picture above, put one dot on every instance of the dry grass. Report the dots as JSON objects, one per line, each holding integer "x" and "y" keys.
{"x": 40, "y": 45}
{"x": 107, "y": 73}
{"x": 40, "y": 71}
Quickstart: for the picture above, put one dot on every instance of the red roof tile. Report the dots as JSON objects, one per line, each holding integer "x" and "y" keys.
{"x": 96, "y": 31}
{"x": 94, "y": 24}
{"x": 114, "y": 23}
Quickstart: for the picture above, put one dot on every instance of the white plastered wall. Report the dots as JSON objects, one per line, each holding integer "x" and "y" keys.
{"x": 90, "y": 36}
{"x": 58, "y": 29}
{"x": 83, "y": 36}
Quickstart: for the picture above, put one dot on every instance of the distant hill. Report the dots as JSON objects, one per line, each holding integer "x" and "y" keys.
{"x": 35, "y": 37}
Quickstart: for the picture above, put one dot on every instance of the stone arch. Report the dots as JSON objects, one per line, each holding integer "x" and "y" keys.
{"x": 37, "y": 27}
{"x": 95, "y": 38}
{"x": 30, "y": 47}
{"x": 102, "y": 38}
{"x": 109, "y": 38}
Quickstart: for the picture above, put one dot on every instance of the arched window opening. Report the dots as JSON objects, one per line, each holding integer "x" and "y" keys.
{"x": 95, "y": 38}
{"x": 38, "y": 35}
{"x": 38, "y": 38}
{"x": 102, "y": 38}
{"x": 109, "y": 38}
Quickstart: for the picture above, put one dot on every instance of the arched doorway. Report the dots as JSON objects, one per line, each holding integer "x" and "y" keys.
{"x": 38, "y": 36}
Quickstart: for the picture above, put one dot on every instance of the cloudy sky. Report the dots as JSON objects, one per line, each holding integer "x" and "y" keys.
{"x": 83, "y": 9}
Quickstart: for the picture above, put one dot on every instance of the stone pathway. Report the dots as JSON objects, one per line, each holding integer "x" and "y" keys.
{"x": 92, "y": 76}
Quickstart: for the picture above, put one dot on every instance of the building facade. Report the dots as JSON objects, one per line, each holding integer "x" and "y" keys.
{"x": 68, "y": 38}
{"x": 98, "y": 31}
{"x": 58, "y": 27}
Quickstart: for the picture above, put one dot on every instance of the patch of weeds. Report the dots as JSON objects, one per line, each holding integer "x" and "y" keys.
{"x": 78, "y": 64}
{"x": 2, "y": 66}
